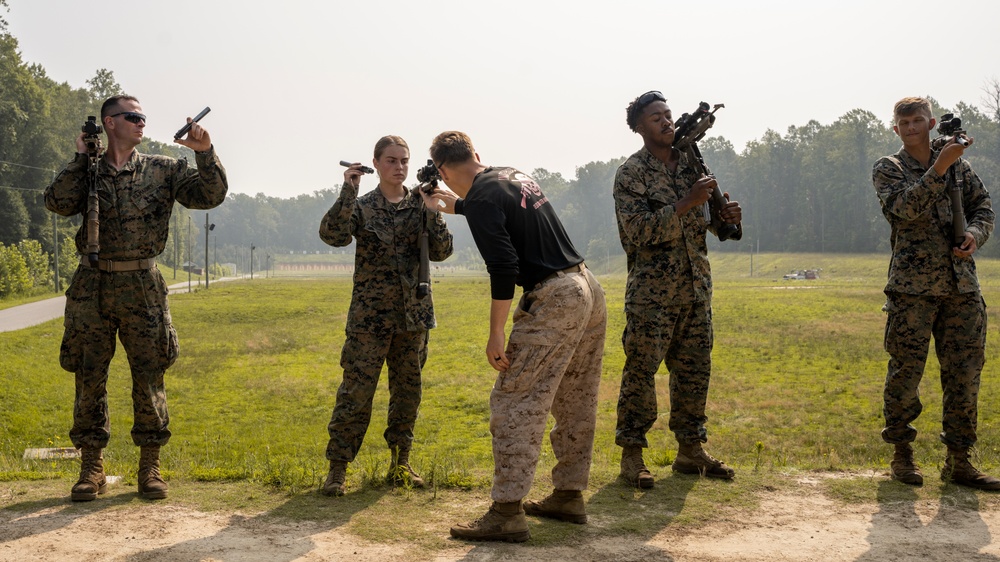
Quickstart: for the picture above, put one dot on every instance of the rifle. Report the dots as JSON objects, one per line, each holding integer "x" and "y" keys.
{"x": 91, "y": 130}
{"x": 691, "y": 128}
{"x": 951, "y": 126}
{"x": 428, "y": 177}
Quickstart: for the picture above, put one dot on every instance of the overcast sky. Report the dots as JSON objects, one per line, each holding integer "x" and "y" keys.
{"x": 296, "y": 86}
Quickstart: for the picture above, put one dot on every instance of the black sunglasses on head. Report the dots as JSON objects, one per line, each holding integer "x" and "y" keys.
{"x": 131, "y": 116}
{"x": 649, "y": 97}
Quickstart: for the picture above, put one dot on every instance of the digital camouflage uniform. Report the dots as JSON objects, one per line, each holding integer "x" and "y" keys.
{"x": 932, "y": 292}
{"x": 386, "y": 322}
{"x": 135, "y": 207}
{"x": 668, "y": 299}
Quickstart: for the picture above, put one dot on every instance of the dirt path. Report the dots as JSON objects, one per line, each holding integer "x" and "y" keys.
{"x": 786, "y": 527}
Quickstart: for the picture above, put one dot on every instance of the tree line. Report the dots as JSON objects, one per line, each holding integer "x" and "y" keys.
{"x": 807, "y": 190}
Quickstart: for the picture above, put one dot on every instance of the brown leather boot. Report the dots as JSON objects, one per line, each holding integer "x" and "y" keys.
{"x": 959, "y": 470}
{"x": 400, "y": 473}
{"x": 92, "y": 481}
{"x": 564, "y": 505}
{"x": 634, "y": 469}
{"x": 503, "y": 522}
{"x": 335, "y": 480}
{"x": 692, "y": 459}
{"x": 151, "y": 484}
{"x": 903, "y": 467}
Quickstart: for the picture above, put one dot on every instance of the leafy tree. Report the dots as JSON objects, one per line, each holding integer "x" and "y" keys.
{"x": 37, "y": 263}
{"x": 14, "y": 276}
{"x": 13, "y": 217}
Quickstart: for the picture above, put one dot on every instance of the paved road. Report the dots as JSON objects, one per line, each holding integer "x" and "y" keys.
{"x": 31, "y": 314}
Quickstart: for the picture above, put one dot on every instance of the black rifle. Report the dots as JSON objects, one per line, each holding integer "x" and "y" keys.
{"x": 691, "y": 128}
{"x": 91, "y": 130}
{"x": 949, "y": 127}
{"x": 428, "y": 177}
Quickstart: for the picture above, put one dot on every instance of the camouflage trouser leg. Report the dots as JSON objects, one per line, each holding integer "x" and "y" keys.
{"x": 362, "y": 359}
{"x": 681, "y": 336}
{"x": 958, "y": 325}
{"x": 133, "y": 305}
{"x": 555, "y": 349}
{"x": 406, "y": 358}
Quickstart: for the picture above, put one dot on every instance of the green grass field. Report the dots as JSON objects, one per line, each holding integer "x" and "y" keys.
{"x": 796, "y": 387}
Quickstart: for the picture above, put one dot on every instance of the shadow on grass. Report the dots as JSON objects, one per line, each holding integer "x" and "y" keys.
{"x": 621, "y": 521}
{"x": 299, "y": 518}
{"x": 956, "y": 531}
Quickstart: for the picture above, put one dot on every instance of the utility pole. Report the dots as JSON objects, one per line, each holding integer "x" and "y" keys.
{"x": 208, "y": 228}
{"x": 252, "y": 248}
{"x": 189, "y": 254}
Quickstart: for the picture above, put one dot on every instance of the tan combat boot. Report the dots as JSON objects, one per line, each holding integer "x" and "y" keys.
{"x": 503, "y": 522}
{"x": 335, "y": 480}
{"x": 151, "y": 484}
{"x": 400, "y": 473}
{"x": 564, "y": 505}
{"x": 92, "y": 481}
{"x": 903, "y": 467}
{"x": 634, "y": 470}
{"x": 959, "y": 470}
{"x": 692, "y": 459}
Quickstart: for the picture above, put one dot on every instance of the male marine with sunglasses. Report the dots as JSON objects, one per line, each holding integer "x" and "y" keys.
{"x": 125, "y": 293}
{"x": 659, "y": 197}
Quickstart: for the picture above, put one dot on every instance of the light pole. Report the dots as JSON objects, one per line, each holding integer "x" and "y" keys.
{"x": 252, "y": 248}
{"x": 188, "y": 267}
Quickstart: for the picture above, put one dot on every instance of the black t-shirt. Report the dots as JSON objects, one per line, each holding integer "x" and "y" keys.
{"x": 516, "y": 230}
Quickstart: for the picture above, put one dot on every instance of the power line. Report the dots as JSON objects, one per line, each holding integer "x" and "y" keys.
{"x": 39, "y": 190}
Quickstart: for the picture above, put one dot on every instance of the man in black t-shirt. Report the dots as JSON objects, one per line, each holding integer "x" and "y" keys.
{"x": 553, "y": 359}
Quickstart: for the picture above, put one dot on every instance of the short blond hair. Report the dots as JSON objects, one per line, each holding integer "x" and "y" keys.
{"x": 909, "y": 106}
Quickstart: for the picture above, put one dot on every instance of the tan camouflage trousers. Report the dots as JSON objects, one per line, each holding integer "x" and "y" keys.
{"x": 682, "y": 337}
{"x": 362, "y": 358}
{"x": 133, "y": 306}
{"x": 958, "y": 326}
{"x": 556, "y": 349}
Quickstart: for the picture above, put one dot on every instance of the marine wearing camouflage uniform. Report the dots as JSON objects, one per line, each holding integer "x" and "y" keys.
{"x": 135, "y": 207}
{"x": 668, "y": 299}
{"x": 932, "y": 292}
{"x": 386, "y": 322}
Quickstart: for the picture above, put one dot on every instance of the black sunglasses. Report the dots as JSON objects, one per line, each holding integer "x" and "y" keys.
{"x": 131, "y": 116}
{"x": 649, "y": 97}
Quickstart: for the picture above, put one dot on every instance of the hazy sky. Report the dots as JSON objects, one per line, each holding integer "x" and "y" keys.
{"x": 296, "y": 86}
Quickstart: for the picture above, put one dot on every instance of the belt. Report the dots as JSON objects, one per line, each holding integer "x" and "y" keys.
{"x": 571, "y": 269}
{"x": 116, "y": 266}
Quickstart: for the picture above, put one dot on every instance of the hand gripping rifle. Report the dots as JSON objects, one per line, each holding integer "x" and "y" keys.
{"x": 91, "y": 129}
{"x": 949, "y": 127}
{"x": 691, "y": 128}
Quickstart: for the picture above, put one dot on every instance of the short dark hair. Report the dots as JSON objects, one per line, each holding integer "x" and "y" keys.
{"x": 112, "y": 103}
{"x": 452, "y": 147}
{"x": 634, "y": 109}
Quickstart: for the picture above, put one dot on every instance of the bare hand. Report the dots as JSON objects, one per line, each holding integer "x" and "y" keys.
{"x": 967, "y": 248}
{"x": 950, "y": 154}
{"x": 732, "y": 213}
{"x": 445, "y": 196}
{"x": 700, "y": 192}
{"x": 353, "y": 174}
{"x": 495, "y": 352}
{"x": 197, "y": 138}
{"x": 81, "y": 147}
